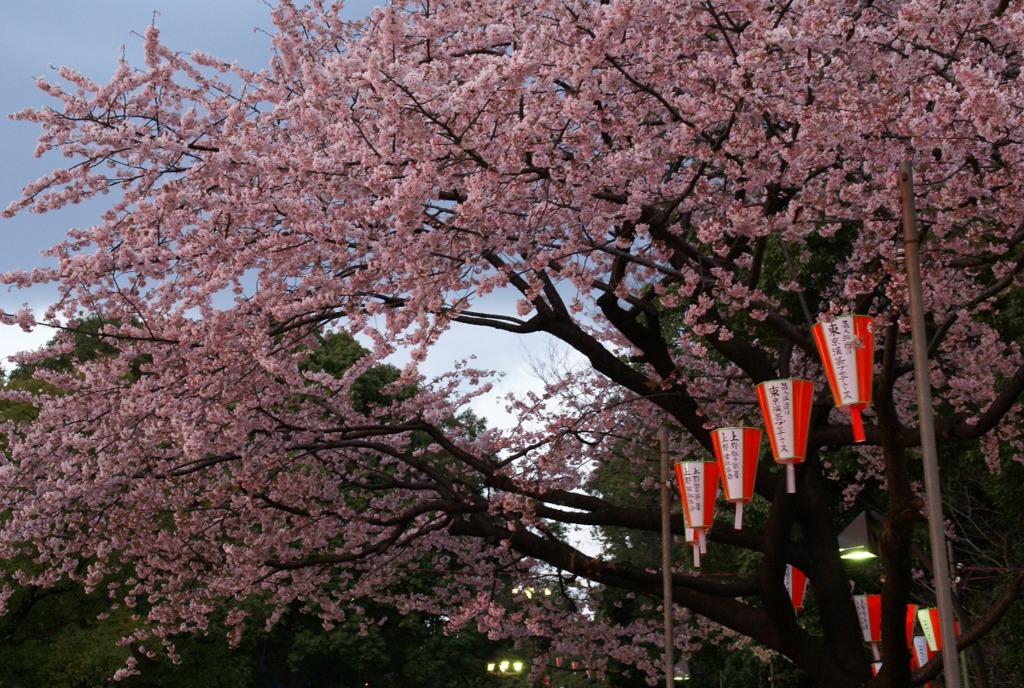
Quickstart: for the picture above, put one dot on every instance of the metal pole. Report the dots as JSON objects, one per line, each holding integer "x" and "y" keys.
{"x": 932, "y": 488}
{"x": 952, "y": 577}
{"x": 666, "y": 555}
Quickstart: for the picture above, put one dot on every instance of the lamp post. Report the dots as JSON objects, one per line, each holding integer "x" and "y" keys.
{"x": 933, "y": 497}
{"x": 678, "y": 671}
{"x": 666, "y": 556}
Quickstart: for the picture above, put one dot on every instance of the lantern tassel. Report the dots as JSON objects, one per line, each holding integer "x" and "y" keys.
{"x": 790, "y": 478}
{"x": 696, "y": 556}
{"x": 738, "y": 523}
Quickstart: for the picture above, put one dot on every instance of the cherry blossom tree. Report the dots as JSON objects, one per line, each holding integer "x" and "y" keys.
{"x": 677, "y": 191}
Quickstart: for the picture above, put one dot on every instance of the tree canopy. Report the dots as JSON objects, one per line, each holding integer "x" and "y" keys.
{"x": 677, "y": 191}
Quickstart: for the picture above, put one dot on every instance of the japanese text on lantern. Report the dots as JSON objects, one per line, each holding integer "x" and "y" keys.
{"x": 862, "y": 612}
{"x": 732, "y": 454}
{"x": 839, "y": 334}
{"x": 779, "y": 401}
{"x": 693, "y": 483}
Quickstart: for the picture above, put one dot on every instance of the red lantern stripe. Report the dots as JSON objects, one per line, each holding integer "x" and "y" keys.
{"x": 863, "y": 329}
{"x": 911, "y": 621}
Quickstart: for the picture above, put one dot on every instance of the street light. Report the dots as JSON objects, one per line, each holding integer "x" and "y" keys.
{"x": 529, "y": 591}
{"x": 857, "y": 542}
{"x": 506, "y": 666}
{"x": 681, "y": 671}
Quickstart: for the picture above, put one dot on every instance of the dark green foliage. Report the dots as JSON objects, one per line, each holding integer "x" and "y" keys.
{"x": 53, "y": 639}
{"x": 62, "y": 637}
{"x": 336, "y": 353}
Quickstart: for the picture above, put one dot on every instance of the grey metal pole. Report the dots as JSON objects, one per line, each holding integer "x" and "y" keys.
{"x": 932, "y": 487}
{"x": 965, "y": 675}
{"x": 666, "y": 555}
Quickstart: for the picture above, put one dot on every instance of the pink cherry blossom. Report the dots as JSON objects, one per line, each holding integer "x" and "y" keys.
{"x": 674, "y": 190}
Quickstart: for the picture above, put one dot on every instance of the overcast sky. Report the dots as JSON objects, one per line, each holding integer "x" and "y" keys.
{"x": 90, "y": 36}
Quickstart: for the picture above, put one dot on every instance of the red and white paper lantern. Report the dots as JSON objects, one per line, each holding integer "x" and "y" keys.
{"x": 786, "y": 407}
{"x": 929, "y": 620}
{"x": 869, "y": 613}
{"x": 847, "y": 348}
{"x": 698, "y": 488}
{"x": 796, "y": 586}
{"x": 736, "y": 450}
{"x": 921, "y": 654}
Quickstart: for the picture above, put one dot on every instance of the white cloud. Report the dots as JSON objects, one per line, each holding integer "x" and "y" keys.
{"x": 14, "y": 340}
